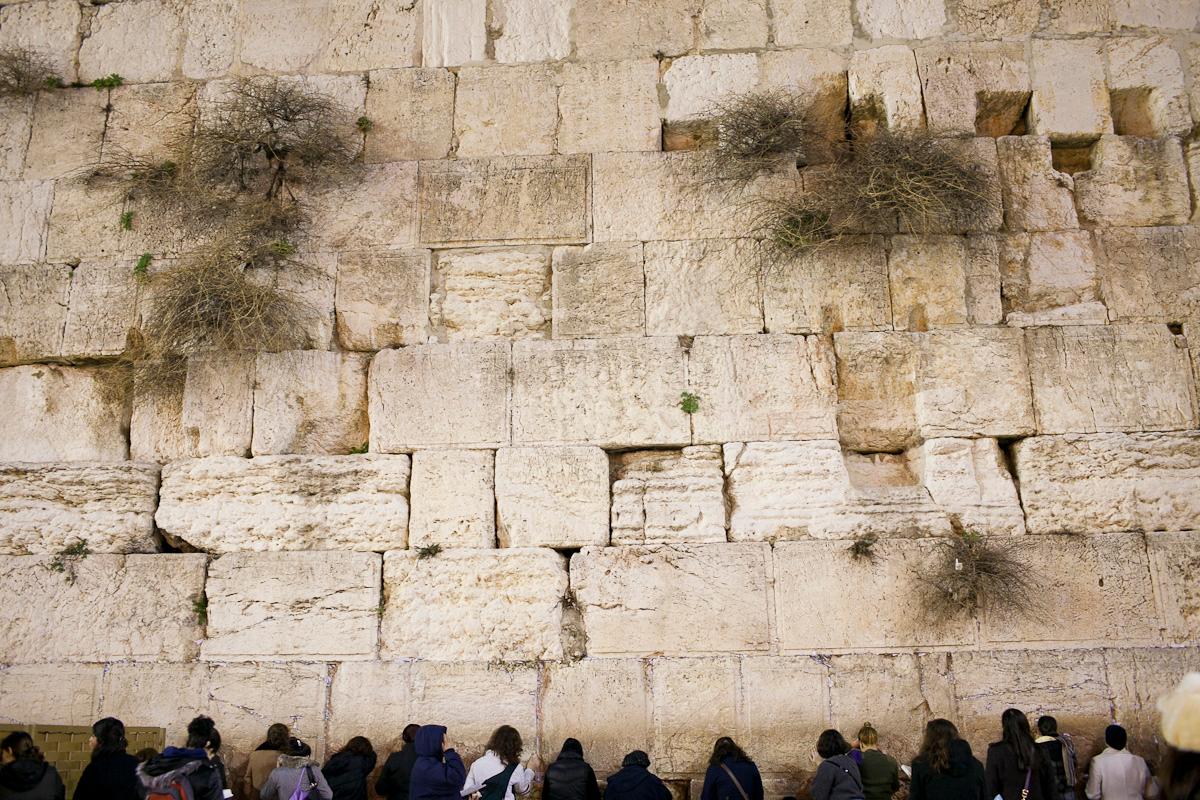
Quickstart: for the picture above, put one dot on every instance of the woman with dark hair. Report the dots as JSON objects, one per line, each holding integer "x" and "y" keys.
{"x": 635, "y": 781}
{"x": 196, "y": 762}
{"x": 945, "y": 769}
{"x": 296, "y": 771}
{"x": 397, "y": 770}
{"x": 498, "y": 773}
{"x": 112, "y": 772}
{"x": 347, "y": 770}
{"x": 1016, "y": 769}
{"x": 731, "y": 774}
{"x": 265, "y": 758}
{"x": 570, "y": 777}
{"x": 24, "y": 774}
{"x": 837, "y": 775}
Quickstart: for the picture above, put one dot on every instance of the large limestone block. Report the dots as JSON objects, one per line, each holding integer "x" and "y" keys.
{"x": 412, "y": 114}
{"x": 454, "y": 32}
{"x": 293, "y": 606}
{"x": 1070, "y": 97}
{"x": 604, "y": 702}
{"x": 876, "y": 384}
{"x": 1110, "y": 378}
{"x": 382, "y": 299}
{"x": 610, "y": 29}
{"x": 665, "y": 496}
{"x": 696, "y": 86}
{"x": 1134, "y": 181}
{"x": 24, "y": 218}
{"x": 969, "y": 479}
{"x": 1078, "y": 16}
{"x": 101, "y": 608}
{"x": 608, "y": 106}
{"x": 491, "y": 294}
{"x": 1151, "y": 274}
{"x": 275, "y": 40}
{"x": 50, "y": 27}
{"x": 210, "y": 38}
{"x": 707, "y": 286}
{"x": 767, "y": 387}
{"x": 140, "y": 41}
{"x": 674, "y": 599}
{"x": 68, "y": 129}
{"x": 532, "y": 30}
{"x": 1036, "y": 196}
{"x": 811, "y": 23}
{"x": 439, "y": 395}
{"x": 1174, "y": 561}
{"x": 224, "y": 504}
{"x": 33, "y": 311}
{"x": 843, "y": 286}
{"x": 786, "y": 706}
{"x": 883, "y": 19}
{"x": 978, "y": 88}
{"x": 989, "y": 19}
{"x": 1050, "y": 278}
{"x": 16, "y": 123}
{"x": 85, "y": 224}
{"x": 943, "y": 281}
{"x": 498, "y": 605}
{"x": 45, "y": 508}
{"x": 691, "y": 699}
{"x": 1109, "y": 482}
{"x": 885, "y": 89}
{"x": 310, "y": 401}
{"x": 505, "y": 111}
{"x": 606, "y": 392}
{"x": 377, "y": 211}
{"x": 1147, "y": 86}
{"x": 63, "y": 414}
{"x": 146, "y": 118}
{"x": 164, "y": 695}
{"x": 551, "y": 497}
{"x": 531, "y": 199}
{"x": 728, "y": 24}
{"x": 102, "y": 312}
{"x": 366, "y": 35}
{"x": 598, "y": 290}
{"x": 51, "y": 694}
{"x": 1137, "y": 677}
{"x": 1155, "y": 14}
{"x": 453, "y": 495}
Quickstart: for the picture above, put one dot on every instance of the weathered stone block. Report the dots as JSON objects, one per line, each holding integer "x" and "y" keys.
{"x": 85, "y": 222}
{"x": 508, "y": 199}
{"x": 664, "y": 496}
{"x": 1109, "y": 482}
{"x": 146, "y": 118}
{"x": 24, "y": 217}
{"x": 292, "y": 606}
{"x": 702, "y": 286}
{"x": 439, "y": 395}
{"x": 611, "y": 393}
{"x": 885, "y": 89}
{"x": 63, "y": 414}
{"x": 365, "y": 35}
{"x": 880, "y": 19}
{"x": 50, "y": 27}
{"x": 272, "y": 41}
{"x": 210, "y": 38}
{"x": 1154, "y": 14}
{"x": 690, "y": 701}
{"x": 762, "y": 387}
{"x": 382, "y": 299}
{"x": 610, "y": 29}
{"x": 1050, "y": 279}
{"x": 552, "y": 496}
{"x": 603, "y": 701}
{"x": 16, "y": 123}
{"x": 696, "y": 86}
{"x": 970, "y": 480}
{"x": 310, "y": 401}
{"x": 674, "y": 599}
{"x": 980, "y": 88}
{"x": 1036, "y": 196}
{"x": 68, "y": 128}
{"x": 988, "y": 19}
{"x": 505, "y": 111}
{"x": 608, "y": 106}
{"x": 1147, "y": 87}
{"x": 102, "y": 607}
{"x": 943, "y": 281}
{"x": 1137, "y": 677}
{"x": 1134, "y": 182}
{"x": 876, "y": 384}
{"x": 453, "y": 499}
{"x": 491, "y": 294}
{"x": 1174, "y": 560}
{"x": 532, "y": 30}
{"x": 224, "y": 504}
{"x": 140, "y": 41}
{"x": 1110, "y": 378}
{"x": 102, "y": 312}
{"x": 247, "y": 697}
{"x": 786, "y": 702}
{"x": 811, "y": 23}
{"x": 1078, "y": 16}
{"x": 838, "y": 287}
{"x": 598, "y": 290}
{"x": 58, "y": 694}
{"x": 378, "y": 211}
{"x": 1151, "y": 274}
{"x": 729, "y": 24}
{"x": 454, "y": 32}
{"x": 503, "y": 605}
{"x": 45, "y": 508}
{"x": 33, "y": 311}
{"x": 1070, "y": 97}
{"x": 412, "y": 114}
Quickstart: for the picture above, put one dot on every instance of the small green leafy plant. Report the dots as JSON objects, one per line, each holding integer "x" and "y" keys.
{"x": 282, "y": 248}
{"x": 53, "y": 82}
{"x": 689, "y": 403}
{"x": 362, "y": 449}
{"x": 110, "y": 81}
{"x": 428, "y": 551}
{"x": 64, "y": 560}
{"x": 126, "y": 220}
{"x": 141, "y": 270}
{"x": 364, "y": 124}
{"x": 200, "y": 609}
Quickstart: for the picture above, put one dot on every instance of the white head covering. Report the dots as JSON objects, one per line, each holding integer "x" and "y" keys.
{"x": 1181, "y": 714}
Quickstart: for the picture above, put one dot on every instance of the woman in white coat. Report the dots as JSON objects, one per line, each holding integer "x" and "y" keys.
{"x": 498, "y": 773}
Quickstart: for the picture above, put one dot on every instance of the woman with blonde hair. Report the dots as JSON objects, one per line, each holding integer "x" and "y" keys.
{"x": 880, "y": 772}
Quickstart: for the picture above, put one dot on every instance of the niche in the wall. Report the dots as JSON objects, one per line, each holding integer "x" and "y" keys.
{"x": 1133, "y": 111}
{"x": 1071, "y": 157}
{"x": 1001, "y": 113}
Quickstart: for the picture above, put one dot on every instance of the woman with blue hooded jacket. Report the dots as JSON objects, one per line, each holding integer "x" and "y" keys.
{"x": 438, "y": 773}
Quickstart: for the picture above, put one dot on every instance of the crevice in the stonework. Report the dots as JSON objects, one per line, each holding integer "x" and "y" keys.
{"x": 1132, "y": 114}
{"x": 1008, "y": 451}
{"x": 1176, "y": 328}
{"x": 1071, "y": 157}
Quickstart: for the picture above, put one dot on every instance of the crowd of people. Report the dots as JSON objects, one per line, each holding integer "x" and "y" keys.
{"x": 1021, "y": 765}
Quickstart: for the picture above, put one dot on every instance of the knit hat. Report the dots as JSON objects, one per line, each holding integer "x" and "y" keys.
{"x": 1181, "y": 714}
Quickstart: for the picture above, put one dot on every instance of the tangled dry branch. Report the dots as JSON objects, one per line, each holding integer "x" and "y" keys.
{"x": 760, "y": 130}
{"x": 24, "y": 71}
{"x": 974, "y": 572}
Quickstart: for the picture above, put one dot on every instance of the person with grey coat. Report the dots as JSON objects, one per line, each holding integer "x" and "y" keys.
{"x": 837, "y": 776}
{"x": 296, "y": 768}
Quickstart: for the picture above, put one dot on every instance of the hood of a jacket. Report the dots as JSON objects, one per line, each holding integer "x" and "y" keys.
{"x": 844, "y": 761}
{"x": 23, "y": 774}
{"x": 572, "y": 748}
{"x": 960, "y": 757}
{"x": 627, "y": 779}
{"x": 429, "y": 740}
{"x": 294, "y": 762}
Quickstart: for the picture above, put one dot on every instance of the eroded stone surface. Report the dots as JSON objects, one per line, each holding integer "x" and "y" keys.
{"x": 367, "y": 35}
{"x": 1036, "y": 196}
{"x": 707, "y": 286}
{"x": 140, "y": 41}
{"x": 377, "y": 211}
{"x": 811, "y": 23}
{"x": 1146, "y": 86}
{"x": 598, "y": 290}
{"x": 532, "y": 30}
{"x": 1051, "y": 279}
{"x": 1070, "y": 97}
{"x": 969, "y": 479}
{"x": 1134, "y": 181}
{"x": 412, "y": 114}
{"x": 880, "y": 19}
{"x": 1151, "y": 274}
{"x": 453, "y": 499}
{"x": 608, "y": 106}
{"x": 505, "y": 111}
{"x": 24, "y": 217}
{"x": 943, "y": 281}
{"x": 885, "y": 89}
{"x": 146, "y": 119}
{"x": 663, "y": 496}
{"x": 607, "y": 700}
{"x": 310, "y": 401}
{"x": 281, "y": 42}
{"x": 843, "y": 286}
{"x": 63, "y": 414}
{"x": 382, "y": 299}
{"x": 58, "y": 694}
{"x": 50, "y": 27}
{"x": 33, "y": 310}
{"x": 552, "y": 496}
{"x": 876, "y": 385}
{"x": 102, "y": 311}
{"x": 491, "y": 294}
{"x": 978, "y": 88}
{"x": 1137, "y": 677}
{"x": 454, "y": 32}
{"x": 605, "y": 29}
{"x": 68, "y": 128}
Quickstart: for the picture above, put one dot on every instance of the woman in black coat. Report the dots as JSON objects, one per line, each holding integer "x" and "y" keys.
{"x": 1015, "y": 762}
{"x": 24, "y": 774}
{"x": 347, "y": 770}
{"x": 112, "y": 773}
{"x": 397, "y": 770}
{"x": 570, "y": 777}
{"x": 945, "y": 769}
{"x": 635, "y": 781}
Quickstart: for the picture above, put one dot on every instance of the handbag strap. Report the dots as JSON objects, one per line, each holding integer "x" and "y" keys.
{"x": 736, "y": 784}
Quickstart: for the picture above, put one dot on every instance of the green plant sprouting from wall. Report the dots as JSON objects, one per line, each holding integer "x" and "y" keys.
{"x": 689, "y": 403}
{"x": 428, "y": 551}
{"x": 24, "y": 71}
{"x": 111, "y": 81}
{"x": 65, "y": 560}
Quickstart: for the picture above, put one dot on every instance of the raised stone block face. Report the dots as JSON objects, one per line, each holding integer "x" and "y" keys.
{"x": 1155, "y": 14}
{"x": 310, "y": 401}
{"x": 224, "y": 504}
{"x": 491, "y": 294}
{"x": 673, "y": 599}
{"x": 439, "y": 396}
{"x": 598, "y": 290}
{"x": 412, "y": 111}
{"x": 1070, "y": 97}
{"x": 608, "y": 106}
{"x": 707, "y": 286}
{"x": 762, "y": 388}
{"x": 980, "y": 88}
{"x": 811, "y": 23}
{"x": 843, "y": 286}
{"x": 664, "y": 496}
{"x": 85, "y": 224}
{"x": 505, "y": 111}
{"x": 102, "y": 608}
{"x": 552, "y": 496}
{"x": 1174, "y": 560}
{"x": 1110, "y": 378}
{"x": 453, "y": 499}
{"x": 50, "y": 27}
{"x": 1109, "y": 482}
{"x": 102, "y": 312}
{"x": 33, "y": 311}
{"x": 1137, "y": 677}
{"x": 532, "y": 30}
{"x": 68, "y": 128}
{"x": 727, "y": 24}
{"x": 969, "y": 479}
{"x": 880, "y": 19}
{"x": 605, "y": 29}
{"x": 210, "y": 38}
{"x": 1147, "y": 87}
{"x": 1036, "y": 196}
{"x": 378, "y": 211}
{"x": 24, "y": 217}
{"x": 146, "y": 118}
{"x": 508, "y": 199}
{"x": 607, "y": 700}
{"x": 45, "y": 508}
{"x": 63, "y": 414}
{"x": 1134, "y": 181}
{"x": 885, "y": 89}
{"x": 876, "y": 384}
{"x": 140, "y": 41}
{"x": 987, "y": 19}
{"x": 502, "y": 605}
{"x": 59, "y": 694}
{"x": 696, "y": 86}
{"x": 292, "y": 606}
{"x": 690, "y": 701}
{"x": 943, "y": 281}
{"x": 611, "y": 393}
{"x": 1050, "y": 278}
{"x": 382, "y": 299}
{"x": 16, "y": 123}
{"x": 454, "y": 33}
{"x": 786, "y": 701}
{"x": 363, "y": 35}
{"x": 1151, "y": 274}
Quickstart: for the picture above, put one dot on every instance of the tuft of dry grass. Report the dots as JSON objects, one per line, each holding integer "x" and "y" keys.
{"x": 760, "y": 130}
{"x": 24, "y": 71}
{"x": 975, "y": 572}
{"x": 863, "y": 547}
{"x": 788, "y": 225}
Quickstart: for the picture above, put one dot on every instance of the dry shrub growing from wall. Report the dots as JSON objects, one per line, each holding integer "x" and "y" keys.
{"x": 974, "y": 572}
{"x": 760, "y": 130}
{"x": 24, "y": 72}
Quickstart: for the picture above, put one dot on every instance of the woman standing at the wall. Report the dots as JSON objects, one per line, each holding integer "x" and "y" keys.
{"x": 112, "y": 772}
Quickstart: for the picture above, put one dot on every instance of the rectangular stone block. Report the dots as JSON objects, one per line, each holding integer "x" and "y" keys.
{"x": 45, "y": 508}
{"x": 453, "y": 499}
{"x": 1146, "y": 86}
{"x": 532, "y": 30}
{"x": 811, "y": 23}
{"x": 499, "y": 605}
{"x": 707, "y": 286}
{"x": 102, "y": 608}
{"x": 292, "y": 606}
{"x": 248, "y": 697}
{"x": 605, "y": 29}
{"x": 63, "y": 414}
{"x": 68, "y": 129}
{"x": 377, "y": 211}
{"x": 382, "y": 299}
{"x": 552, "y": 497}
{"x": 505, "y": 111}
{"x": 163, "y": 695}
{"x": 1137, "y": 677}
{"x": 439, "y": 396}
{"x": 604, "y": 702}
{"x": 988, "y": 19}
{"x": 1134, "y": 181}
{"x": 363, "y": 35}
{"x": 454, "y": 33}
{"x": 491, "y": 294}
{"x": 917, "y": 20}
{"x": 599, "y": 290}
{"x": 691, "y": 699}
{"x": 943, "y": 281}
{"x": 969, "y": 479}
{"x": 665, "y": 496}
{"x": 876, "y": 384}
{"x": 50, "y": 694}
{"x": 210, "y": 38}
{"x": 33, "y": 311}
{"x": 1110, "y": 378}
{"x": 146, "y": 118}
{"x": 1037, "y": 197}
{"x": 696, "y": 85}
{"x": 224, "y": 504}
{"x": 520, "y": 199}
{"x": 843, "y": 286}
{"x": 611, "y": 393}
{"x": 1050, "y": 278}
{"x": 885, "y": 90}
{"x": 16, "y": 123}
{"x": 673, "y": 599}
{"x": 608, "y": 106}
{"x": 1070, "y": 97}
{"x": 310, "y": 401}
{"x": 1150, "y": 274}
{"x": 762, "y": 388}
{"x": 24, "y": 219}
{"x": 85, "y": 223}
{"x": 281, "y": 42}
{"x": 1109, "y": 482}
{"x": 1174, "y": 561}
{"x": 981, "y": 87}
{"x": 786, "y": 700}
{"x": 102, "y": 313}
{"x": 51, "y": 27}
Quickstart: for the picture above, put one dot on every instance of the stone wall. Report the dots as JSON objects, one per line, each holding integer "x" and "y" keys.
{"x": 531, "y": 269}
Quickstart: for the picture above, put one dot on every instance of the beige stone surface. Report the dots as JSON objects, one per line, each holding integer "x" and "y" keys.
{"x": 551, "y": 497}
{"x": 454, "y": 32}
{"x": 62, "y": 414}
{"x": 689, "y": 703}
{"x": 1134, "y": 182}
{"x": 1150, "y": 274}
{"x": 608, "y": 392}
{"x": 412, "y": 114}
{"x": 453, "y": 496}
{"x": 607, "y": 106}
{"x": 439, "y": 395}
{"x": 376, "y": 211}
{"x": 364, "y": 34}
{"x": 1051, "y": 279}
{"x": 16, "y": 123}
{"x": 271, "y": 41}
{"x": 707, "y": 286}
{"x": 532, "y": 30}
{"x": 485, "y": 605}
{"x": 51, "y": 694}
{"x": 969, "y": 479}
{"x": 101, "y": 608}
{"x": 85, "y": 222}
{"x": 696, "y": 86}
{"x": 246, "y": 698}
{"x": 224, "y": 504}
{"x": 1147, "y": 86}
{"x": 978, "y": 88}
{"x": 51, "y": 27}
{"x": 292, "y": 606}
{"x": 786, "y": 706}
{"x": 210, "y": 38}
{"x": 102, "y": 311}
{"x": 382, "y": 299}
{"x": 140, "y": 41}
{"x": 988, "y": 19}
{"x": 598, "y": 290}
{"x": 505, "y": 111}
{"x": 881, "y": 19}
{"x": 604, "y": 702}
{"x": 842, "y": 286}
{"x": 24, "y": 216}
{"x": 942, "y": 281}
{"x": 1155, "y": 14}
{"x": 1137, "y": 677}
{"x": 1078, "y": 16}
{"x": 607, "y": 29}
{"x": 668, "y": 496}
{"x": 811, "y": 23}
{"x": 1070, "y": 98}
{"x": 762, "y": 388}
{"x": 164, "y": 695}
{"x": 1109, "y": 482}
{"x": 1110, "y": 378}
{"x": 310, "y": 401}
{"x": 673, "y": 599}
{"x": 507, "y": 199}
{"x": 33, "y": 310}
{"x": 876, "y": 385}
{"x": 1174, "y": 559}
{"x": 68, "y": 128}
{"x": 491, "y": 294}
{"x": 885, "y": 89}
{"x": 729, "y": 24}
{"x": 1036, "y": 196}
{"x": 45, "y": 508}
{"x": 146, "y": 118}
